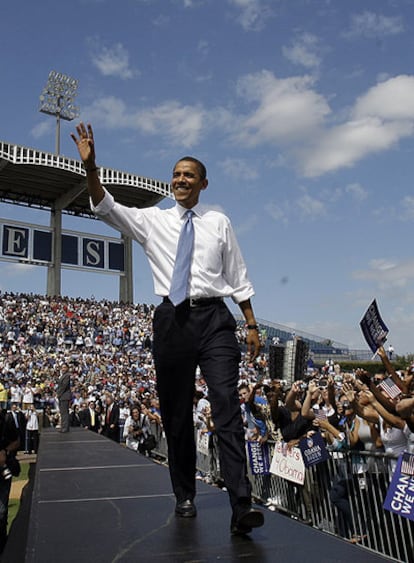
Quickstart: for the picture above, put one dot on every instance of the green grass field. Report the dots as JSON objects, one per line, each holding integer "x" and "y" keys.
{"x": 14, "y": 503}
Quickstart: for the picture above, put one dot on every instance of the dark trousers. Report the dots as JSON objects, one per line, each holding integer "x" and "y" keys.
{"x": 64, "y": 415}
{"x": 32, "y": 440}
{"x": 185, "y": 337}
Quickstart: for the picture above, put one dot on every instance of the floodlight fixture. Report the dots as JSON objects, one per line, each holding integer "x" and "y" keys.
{"x": 57, "y": 98}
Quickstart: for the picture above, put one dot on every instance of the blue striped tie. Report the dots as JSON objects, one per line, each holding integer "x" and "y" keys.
{"x": 182, "y": 266}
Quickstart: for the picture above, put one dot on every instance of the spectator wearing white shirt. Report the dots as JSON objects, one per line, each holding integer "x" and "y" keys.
{"x": 32, "y": 430}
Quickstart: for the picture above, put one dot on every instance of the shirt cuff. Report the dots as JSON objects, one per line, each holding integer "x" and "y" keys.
{"x": 105, "y": 205}
{"x": 242, "y": 295}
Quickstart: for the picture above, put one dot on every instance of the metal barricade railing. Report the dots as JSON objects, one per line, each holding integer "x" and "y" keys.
{"x": 343, "y": 496}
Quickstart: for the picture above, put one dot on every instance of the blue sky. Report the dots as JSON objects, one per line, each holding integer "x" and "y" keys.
{"x": 302, "y": 110}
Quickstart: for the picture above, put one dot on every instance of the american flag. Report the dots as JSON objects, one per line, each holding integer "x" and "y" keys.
{"x": 407, "y": 464}
{"x": 390, "y": 388}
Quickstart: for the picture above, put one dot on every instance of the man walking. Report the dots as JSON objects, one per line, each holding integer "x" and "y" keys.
{"x": 111, "y": 425}
{"x": 196, "y": 263}
{"x": 64, "y": 395}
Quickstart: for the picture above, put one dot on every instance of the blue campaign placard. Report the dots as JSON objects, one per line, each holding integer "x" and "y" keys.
{"x": 374, "y": 329}
{"x": 313, "y": 449}
{"x": 259, "y": 458}
{"x": 400, "y": 494}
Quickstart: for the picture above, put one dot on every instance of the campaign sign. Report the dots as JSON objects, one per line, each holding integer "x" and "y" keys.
{"x": 400, "y": 495}
{"x": 288, "y": 463}
{"x": 313, "y": 450}
{"x": 373, "y": 327}
{"x": 202, "y": 442}
{"x": 258, "y": 457}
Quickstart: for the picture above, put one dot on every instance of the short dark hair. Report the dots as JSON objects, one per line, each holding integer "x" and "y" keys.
{"x": 202, "y": 170}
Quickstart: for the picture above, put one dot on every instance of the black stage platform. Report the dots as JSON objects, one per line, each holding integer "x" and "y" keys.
{"x": 94, "y": 501}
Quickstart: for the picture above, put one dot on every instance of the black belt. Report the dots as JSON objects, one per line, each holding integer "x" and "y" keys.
{"x": 196, "y": 301}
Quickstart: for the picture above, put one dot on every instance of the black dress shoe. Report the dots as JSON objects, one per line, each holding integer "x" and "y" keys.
{"x": 186, "y": 509}
{"x": 246, "y": 521}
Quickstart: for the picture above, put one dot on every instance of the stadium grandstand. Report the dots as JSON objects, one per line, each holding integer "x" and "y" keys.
{"x": 320, "y": 348}
{"x": 34, "y": 178}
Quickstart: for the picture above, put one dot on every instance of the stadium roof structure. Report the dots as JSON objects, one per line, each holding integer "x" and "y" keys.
{"x": 44, "y": 180}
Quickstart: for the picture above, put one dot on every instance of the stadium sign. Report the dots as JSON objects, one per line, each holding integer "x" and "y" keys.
{"x": 29, "y": 243}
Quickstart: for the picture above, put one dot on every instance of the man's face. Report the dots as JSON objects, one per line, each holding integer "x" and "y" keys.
{"x": 243, "y": 395}
{"x": 187, "y": 184}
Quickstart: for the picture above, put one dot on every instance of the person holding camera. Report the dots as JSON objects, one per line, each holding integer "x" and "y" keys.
{"x": 137, "y": 429}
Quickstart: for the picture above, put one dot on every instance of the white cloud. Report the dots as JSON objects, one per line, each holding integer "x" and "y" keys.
{"x": 203, "y": 47}
{"x": 192, "y": 3}
{"x": 247, "y": 226}
{"x": 379, "y": 119}
{"x": 311, "y": 207}
{"x": 304, "y": 51}
{"x": 183, "y": 124}
{"x": 288, "y": 113}
{"x": 203, "y": 77}
{"x": 407, "y": 205}
{"x": 110, "y": 112}
{"x": 392, "y": 99}
{"x": 111, "y": 61}
{"x": 239, "y": 169}
{"x": 41, "y": 129}
{"x": 161, "y": 20}
{"x": 387, "y": 273}
{"x": 253, "y": 14}
{"x": 276, "y": 212}
{"x": 288, "y": 109}
{"x": 357, "y": 192}
{"x": 344, "y": 145}
{"x": 176, "y": 122}
{"x": 369, "y": 24}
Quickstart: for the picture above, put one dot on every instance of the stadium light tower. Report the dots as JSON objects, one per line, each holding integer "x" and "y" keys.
{"x": 57, "y": 99}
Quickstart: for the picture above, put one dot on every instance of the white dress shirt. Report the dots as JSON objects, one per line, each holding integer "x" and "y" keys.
{"x": 217, "y": 269}
{"x": 32, "y": 421}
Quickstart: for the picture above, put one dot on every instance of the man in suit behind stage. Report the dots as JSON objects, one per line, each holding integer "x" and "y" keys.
{"x": 111, "y": 425}
{"x": 17, "y": 421}
{"x": 64, "y": 395}
{"x": 90, "y": 418}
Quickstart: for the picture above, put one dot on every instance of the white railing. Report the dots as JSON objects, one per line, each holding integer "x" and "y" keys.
{"x": 17, "y": 154}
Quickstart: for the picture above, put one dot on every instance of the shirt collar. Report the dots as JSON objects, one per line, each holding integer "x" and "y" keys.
{"x": 197, "y": 210}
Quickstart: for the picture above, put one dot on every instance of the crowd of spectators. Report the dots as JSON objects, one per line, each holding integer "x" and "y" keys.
{"x": 108, "y": 348}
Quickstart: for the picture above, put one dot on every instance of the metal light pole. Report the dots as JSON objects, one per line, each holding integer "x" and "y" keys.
{"x": 57, "y": 99}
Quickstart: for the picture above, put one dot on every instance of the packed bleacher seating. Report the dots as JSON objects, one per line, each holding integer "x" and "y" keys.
{"x": 365, "y": 421}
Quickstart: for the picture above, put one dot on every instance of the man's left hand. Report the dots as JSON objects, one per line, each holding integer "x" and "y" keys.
{"x": 253, "y": 344}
